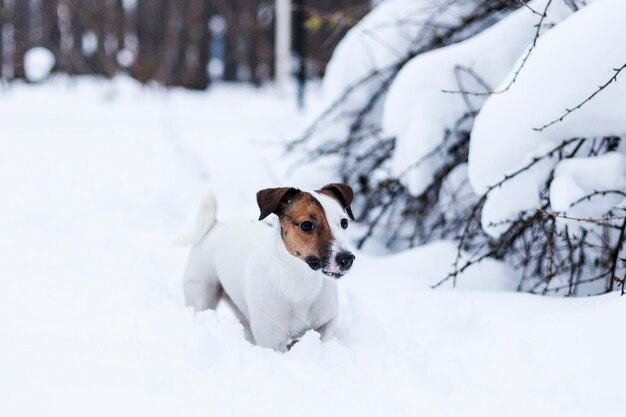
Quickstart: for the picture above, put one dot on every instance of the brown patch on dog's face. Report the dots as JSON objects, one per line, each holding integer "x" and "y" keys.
{"x": 305, "y": 230}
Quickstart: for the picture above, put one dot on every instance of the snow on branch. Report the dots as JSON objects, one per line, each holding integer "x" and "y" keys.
{"x": 549, "y": 252}
{"x": 585, "y": 101}
{"x": 522, "y": 63}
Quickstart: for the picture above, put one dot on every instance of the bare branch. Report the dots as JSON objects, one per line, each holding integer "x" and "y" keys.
{"x": 519, "y": 68}
{"x": 597, "y": 193}
{"x": 582, "y": 103}
{"x": 525, "y": 4}
{"x": 534, "y": 161}
{"x": 615, "y": 255}
{"x": 582, "y": 219}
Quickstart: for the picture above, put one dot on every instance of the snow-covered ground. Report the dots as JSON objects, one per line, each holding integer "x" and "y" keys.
{"x": 98, "y": 179}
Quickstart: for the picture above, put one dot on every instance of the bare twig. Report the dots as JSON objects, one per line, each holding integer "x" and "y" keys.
{"x": 518, "y": 70}
{"x": 582, "y": 219}
{"x": 534, "y": 161}
{"x": 478, "y": 206}
{"x": 597, "y": 193}
{"x": 525, "y": 4}
{"x": 582, "y": 103}
{"x": 458, "y": 69}
{"x": 615, "y": 255}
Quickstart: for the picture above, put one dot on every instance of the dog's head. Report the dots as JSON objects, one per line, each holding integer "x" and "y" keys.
{"x": 313, "y": 224}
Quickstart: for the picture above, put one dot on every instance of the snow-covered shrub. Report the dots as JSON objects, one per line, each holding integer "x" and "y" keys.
{"x": 492, "y": 136}
{"x": 554, "y": 144}
{"x": 567, "y": 66}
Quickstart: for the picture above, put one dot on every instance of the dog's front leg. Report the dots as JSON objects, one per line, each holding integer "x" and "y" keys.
{"x": 270, "y": 335}
{"x": 327, "y": 330}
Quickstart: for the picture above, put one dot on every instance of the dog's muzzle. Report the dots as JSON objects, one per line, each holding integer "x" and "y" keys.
{"x": 313, "y": 262}
{"x": 344, "y": 262}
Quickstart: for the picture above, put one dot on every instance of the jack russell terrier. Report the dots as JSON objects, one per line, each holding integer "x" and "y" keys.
{"x": 280, "y": 283}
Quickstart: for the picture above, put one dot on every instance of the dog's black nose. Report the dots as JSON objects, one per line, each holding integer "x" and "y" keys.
{"x": 345, "y": 259}
{"x": 314, "y": 262}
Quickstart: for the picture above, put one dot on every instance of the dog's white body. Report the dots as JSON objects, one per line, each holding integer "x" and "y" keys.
{"x": 277, "y": 296}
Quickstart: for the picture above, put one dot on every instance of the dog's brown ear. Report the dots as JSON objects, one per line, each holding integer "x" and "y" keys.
{"x": 342, "y": 193}
{"x": 269, "y": 199}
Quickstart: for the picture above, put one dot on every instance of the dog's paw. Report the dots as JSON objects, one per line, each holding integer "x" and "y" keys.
{"x": 306, "y": 346}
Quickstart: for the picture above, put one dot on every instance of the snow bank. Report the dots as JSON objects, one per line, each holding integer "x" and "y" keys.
{"x": 379, "y": 40}
{"x": 426, "y": 265}
{"x": 417, "y": 111}
{"x": 567, "y": 66}
{"x": 578, "y": 177}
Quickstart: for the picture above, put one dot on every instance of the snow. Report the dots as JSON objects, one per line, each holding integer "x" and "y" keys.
{"x": 38, "y": 63}
{"x": 89, "y": 43}
{"x": 503, "y": 138}
{"x": 578, "y": 177}
{"x": 98, "y": 180}
{"x": 125, "y": 58}
{"x": 489, "y": 275}
{"x": 376, "y": 42}
{"x": 417, "y": 111}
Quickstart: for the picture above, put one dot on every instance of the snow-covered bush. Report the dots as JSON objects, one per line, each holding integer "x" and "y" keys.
{"x": 505, "y": 136}
{"x": 560, "y": 128}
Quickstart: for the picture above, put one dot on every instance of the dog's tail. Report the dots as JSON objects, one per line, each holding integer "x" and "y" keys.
{"x": 207, "y": 217}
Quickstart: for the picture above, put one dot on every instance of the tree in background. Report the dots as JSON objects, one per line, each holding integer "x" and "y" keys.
{"x": 21, "y": 36}
{"x": 2, "y": 9}
{"x": 168, "y": 42}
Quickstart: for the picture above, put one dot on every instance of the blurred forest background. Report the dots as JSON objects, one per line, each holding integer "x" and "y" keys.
{"x": 186, "y": 43}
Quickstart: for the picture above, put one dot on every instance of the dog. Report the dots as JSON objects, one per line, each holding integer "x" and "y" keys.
{"x": 282, "y": 282}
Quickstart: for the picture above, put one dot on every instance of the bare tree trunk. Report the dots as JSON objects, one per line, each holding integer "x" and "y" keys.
{"x": 21, "y": 23}
{"x": 231, "y": 37}
{"x": 202, "y": 38}
{"x": 130, "y": 33}
{"x": 172, "y": 41}
{"x": 101, "y": 62}
{"x": 50, "y": 33}
{"x": 1, "y": 40}
{"x": 119, "y": 24}
{"x": 88, "y": 15}
{"x": 300, "y": 48}
{"x": 252, "y": 42}
{"x": 173, "y": 65}
{"x": 151, "y": 20}
{"x": 78, "y": 58}
{"x": 179, "y": 66}
{"x": 146, "y": 15}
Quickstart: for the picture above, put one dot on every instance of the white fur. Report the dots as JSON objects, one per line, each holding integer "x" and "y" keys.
{"x": 207, "y": 217}
{"x": 277, "y": 296}
{"x": 334, "y": 214}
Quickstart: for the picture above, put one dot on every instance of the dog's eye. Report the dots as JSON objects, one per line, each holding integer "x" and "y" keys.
{"x": 307, "y": 226}
{"x": 344, "y": 223}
